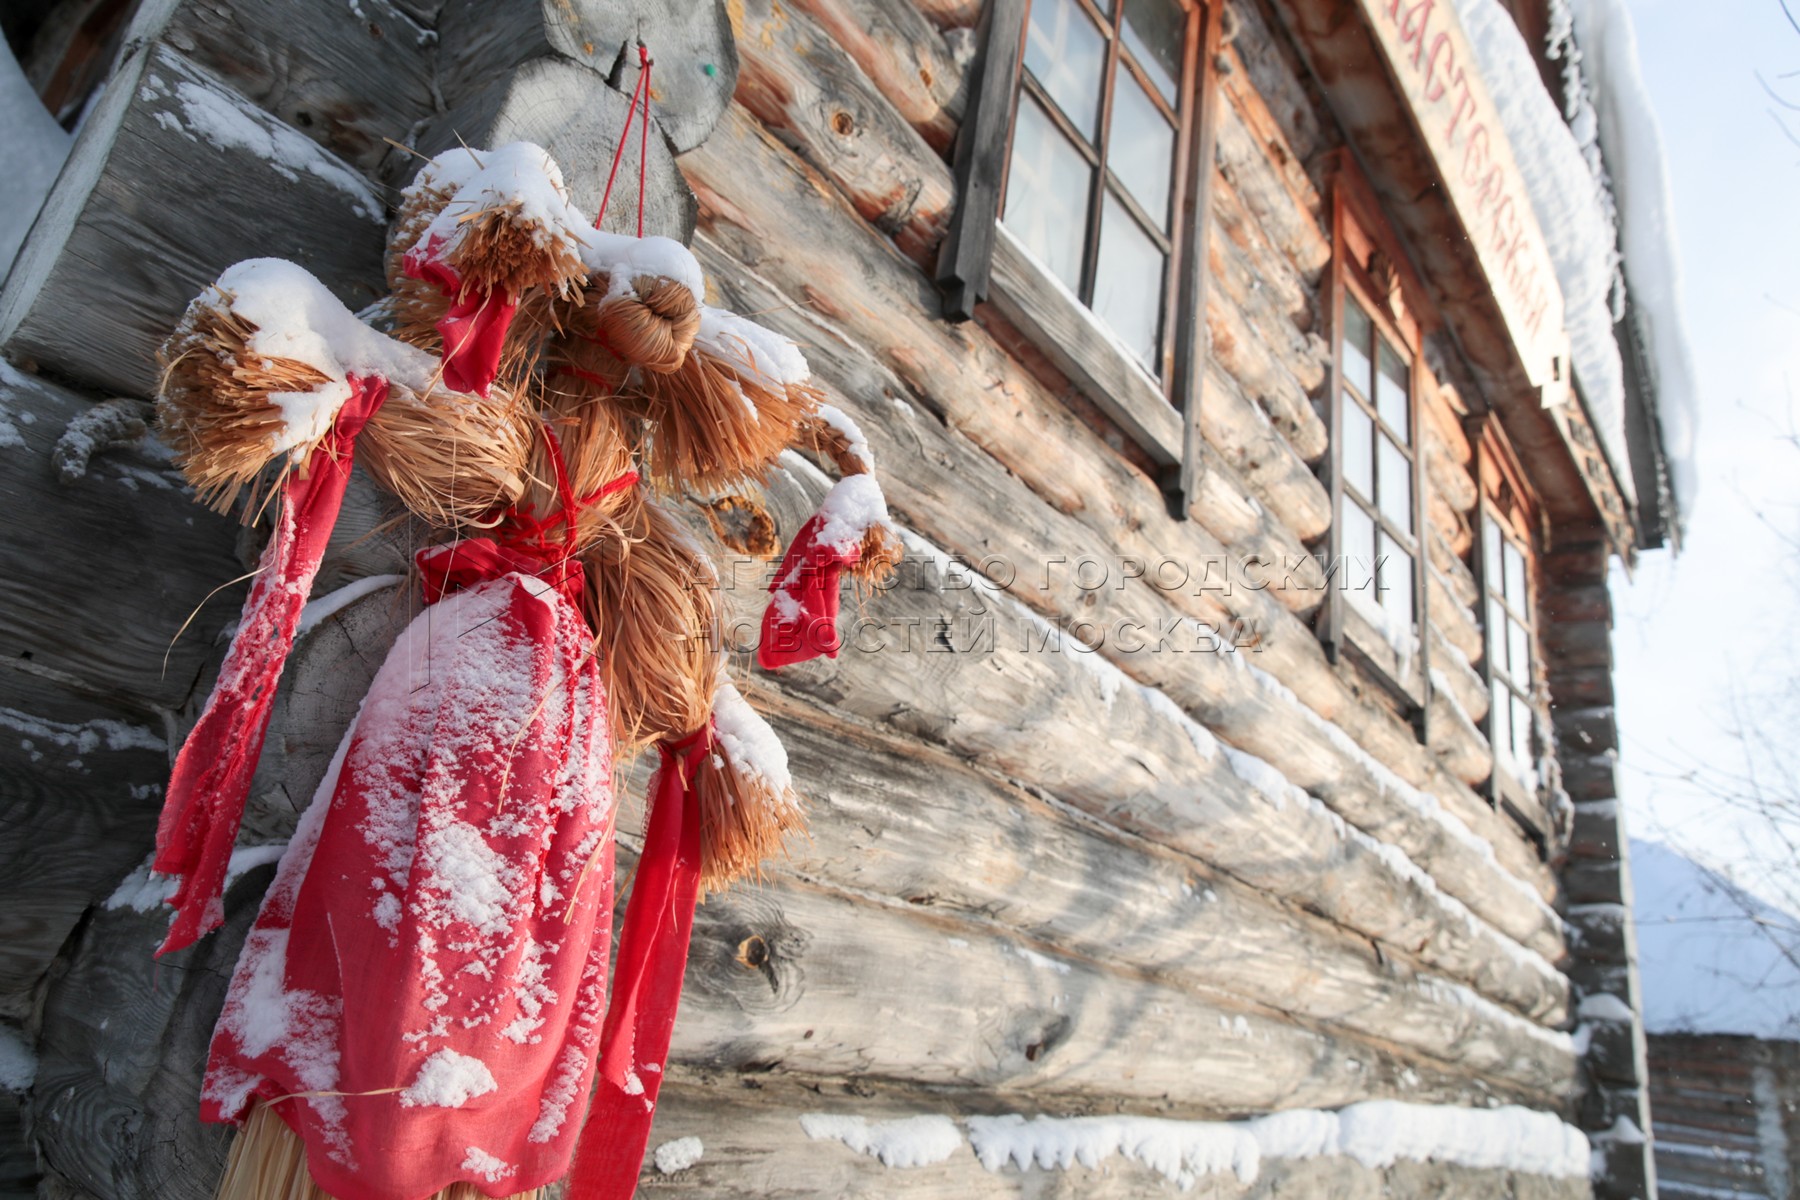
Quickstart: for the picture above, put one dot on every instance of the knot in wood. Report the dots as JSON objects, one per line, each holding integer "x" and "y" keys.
{"x": 753, "y": 952}
{"x": 842, "y": 123}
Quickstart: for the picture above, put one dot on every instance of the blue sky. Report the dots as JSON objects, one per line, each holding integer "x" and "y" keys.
{"x": 1720, "y": 618}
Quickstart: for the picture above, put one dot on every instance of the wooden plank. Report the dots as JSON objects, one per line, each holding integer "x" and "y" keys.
{"x": 964, "y": 261}
{"x": 802, "y": 84}
{"x": 99, "y": 609}
{"x": 1002, "y": 407}
{"x": 694, "y": 56}
{"x": 345, "y": 76}
{"x": 571, "y": 112}
{"x": 128, "y": 238}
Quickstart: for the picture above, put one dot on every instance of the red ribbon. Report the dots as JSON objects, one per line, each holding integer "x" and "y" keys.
{"x": 473, "y": 329}
{"x": 646, "y": 989}
{"x": 801, "y": 622}
{"x": 212, "y": 774}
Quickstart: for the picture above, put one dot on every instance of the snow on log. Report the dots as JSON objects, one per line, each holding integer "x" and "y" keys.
{"x": 128, "y": 237}
{"x": 345, "y": 75}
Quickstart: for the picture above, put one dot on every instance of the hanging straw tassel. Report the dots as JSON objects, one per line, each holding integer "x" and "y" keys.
{"x": 747, "y": 802}
{"x": 268, "y": 1162}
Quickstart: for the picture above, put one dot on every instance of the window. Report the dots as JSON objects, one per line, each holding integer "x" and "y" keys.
{"x": 1081, "y": 171}
{"x": 1093, "y": 183}
{"x": 1506, "y": 587}
{"x": 1376, "y": 608}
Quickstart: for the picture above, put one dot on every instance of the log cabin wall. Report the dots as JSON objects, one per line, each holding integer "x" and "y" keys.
{"x": 1050, "y": 872}
{"x": 1726, "y": 1120}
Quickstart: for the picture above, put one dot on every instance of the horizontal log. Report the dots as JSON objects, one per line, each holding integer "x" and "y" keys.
{"x": 1461, "y": 678}
{"x": 1456, "y": 741}
{"x": 1453, "y": 619}
{"x": 904, "y": 55}
{"x": 733, "y": 1130}
{"x": 783, "y": 979}
{"x": 1267, "y": 310}
{"x": 1289, "y": 293}
{"x": 1261, "y": 55}
{"x": 127, "y": 239}
{"x": 1251, "y": 445}
{"x": 571, "y": 112}
{"x": 100, "y": 610}
{"x": 1447, "y": 474}
{"x": 345, "y": 76}
{"x": 694, "y": 56}
{"x": 1458, "y": 579}
{"x": 962, "y": 374}
{"x": 802, "y": 83}
{"x": 951, "y": 14}
{"x": 1248, "y": 526}
{"x": 1268, "y": 191}
{"x": 1009, "y": 703}
{"x": 895, "y": 819}
{"x": 1239, "y": 350}
{"x": 79, "y": 794}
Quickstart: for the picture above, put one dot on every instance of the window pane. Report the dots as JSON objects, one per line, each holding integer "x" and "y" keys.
{"x": 1501, "y": 708}
{"x": 1153, "y": 33}
{"x": 1515, "y": 577}
{"x": 1357, "y": 567}
{"x": 1390, "y": 393}
{"x": 1065, "y": 53}
{"x": 1358, "y": 330}
{"x": 1359, "y": 449}
{"x": 1496, "y": 631}
{"x": 1128, "y": 286}
{"x": 1047, "y": 192}
{"x": 1519, "y": 653}
{"x": 1141, "y": 151}
{"x": 1490, "y": 540}
{"x": 1397, "y": 590}
{"x": 1395, "y": 484}
{"x": 1521, "y": 735}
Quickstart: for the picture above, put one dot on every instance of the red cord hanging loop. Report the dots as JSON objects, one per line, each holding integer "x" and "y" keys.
{"x": 641, "y": 90}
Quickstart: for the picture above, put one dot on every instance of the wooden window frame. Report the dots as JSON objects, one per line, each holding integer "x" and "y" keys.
{"x": 1393, "y": 305}
{"x": 982, "y": 261}
{"x": 1498, "y": 473}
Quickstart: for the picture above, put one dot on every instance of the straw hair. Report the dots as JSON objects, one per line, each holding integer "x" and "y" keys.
{"x": 500, "y": 250}
{"x": 714, "y": 427}
{"x": 450, "y": 458}
{"x": 651, "y": 326}
{"x": 743, "y": 822}
{"x": 653, "y": 606}
{"x": 268, "y": 1162}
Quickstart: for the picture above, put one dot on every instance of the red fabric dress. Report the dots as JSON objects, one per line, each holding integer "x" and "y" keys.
{"x": 427, "y": 975}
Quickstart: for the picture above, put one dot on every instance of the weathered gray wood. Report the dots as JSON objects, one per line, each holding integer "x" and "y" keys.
{"x": 1276, "y": 475}
{"x": 1457, "y": 741}
{"x": 1277, "y": 193}
{"x": 115, "y": 1109}
{"x": 750, "y": 1130}
{"x": 904, "y": 56}
{"x": 802, "y": 84}
{"x": 694, "y": 56}
{"x": 1271, "y": 69}
{"x": 346, "y": 76}
{"x": 570, "y": 111}
{"x": 785, "y": 978}
{"x": 80, "y": 788}
{"x": 895, "y": 819}
{"x": 1239, "y": 350}
{"x": 1281, "y": 317}
{"x": 130, "y": 235}
{"x": 1463, "y": 680}
{"x": 95, "y": 587}
{"x": 1117, "y": 511}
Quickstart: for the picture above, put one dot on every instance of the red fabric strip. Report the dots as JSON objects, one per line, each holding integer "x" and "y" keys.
{"x": 211, "y": 779}
{"x": 646, "y": 990}
{"x": 801, "y": 621}
{"x": 474, "y": 327}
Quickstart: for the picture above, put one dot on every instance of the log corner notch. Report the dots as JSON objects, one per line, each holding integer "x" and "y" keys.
{"x": 1615, "y": 1106}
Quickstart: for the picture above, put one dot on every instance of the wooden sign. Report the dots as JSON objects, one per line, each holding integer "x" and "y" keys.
{"x": 1434, "y": 64}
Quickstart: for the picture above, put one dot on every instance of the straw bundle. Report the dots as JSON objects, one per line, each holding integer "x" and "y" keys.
{"x": 744, "y": 822}
{"x": 450, "y": 458}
